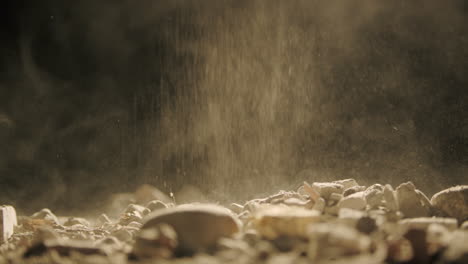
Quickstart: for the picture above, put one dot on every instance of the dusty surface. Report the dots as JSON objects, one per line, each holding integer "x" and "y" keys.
{"x": 336, "y": 222}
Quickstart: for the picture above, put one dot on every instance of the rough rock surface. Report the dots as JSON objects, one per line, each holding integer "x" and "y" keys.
{"x": 452, "y": 202}
{"x": 412, "y": 202}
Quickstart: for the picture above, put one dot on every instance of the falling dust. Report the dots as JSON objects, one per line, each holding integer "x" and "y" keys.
{"x": 226, "y": 100}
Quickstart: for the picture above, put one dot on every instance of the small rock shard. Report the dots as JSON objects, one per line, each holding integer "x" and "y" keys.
{"x": 8, "y": 222}
{"x": 452, "y": 202}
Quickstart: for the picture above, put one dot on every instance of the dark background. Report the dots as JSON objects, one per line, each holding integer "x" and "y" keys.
{"x": 233, "y": 98}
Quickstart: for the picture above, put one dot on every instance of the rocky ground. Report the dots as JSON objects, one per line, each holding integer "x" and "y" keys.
{"x": 332, "y": 222}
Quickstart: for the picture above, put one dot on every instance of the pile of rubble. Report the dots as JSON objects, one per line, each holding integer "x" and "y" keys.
{"x": 333, "y": 222}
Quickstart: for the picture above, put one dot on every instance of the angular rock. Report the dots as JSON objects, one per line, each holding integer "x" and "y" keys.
{"x": 274, "y": 221}
{"x": 452, "y": 202}
{"x": 46, "y": 214}
{"x": 347, "y": 183}
{"x": 390, "y": 198}
{"x": 198, "y": 227}
{"x": 76, "y": 221}
{"x": 325, "y": 189}
{"x": 319, "y": 205}
{"x": 412, "y": 202}
{"x": 8, "y": 222}
{"x": 374, "y": 197}
{"x": 356, "y": 201}
{"x": 354, "y": 189}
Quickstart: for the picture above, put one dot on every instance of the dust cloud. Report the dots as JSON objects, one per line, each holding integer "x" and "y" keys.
{"x": 231, "y": 99}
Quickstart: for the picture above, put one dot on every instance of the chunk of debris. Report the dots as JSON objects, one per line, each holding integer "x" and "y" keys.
{"x": 198, "y": 227}
{"x": 412, "y": 202}
{"x": 356, "y": 201}
{"x": 46, "y": 214}
{"x": 453, "y": 202}
{"x": 156, "y": 242}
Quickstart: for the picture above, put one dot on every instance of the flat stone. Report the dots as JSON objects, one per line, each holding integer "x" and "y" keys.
{"x": 274, "y": 221}
{"x": 412, "y": 202}
{"x": 452, "y": 202}
{"x": 347, "y": 183}
{"x": 8, "y": 221}
{"x": 198, "y": 226}
{"x": 353, "y": 189}
{"x": 325, "y": 189}
{"x": 356, "y": 201}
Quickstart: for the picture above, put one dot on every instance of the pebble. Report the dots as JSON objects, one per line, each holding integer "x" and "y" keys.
{"x": 46, "y": 214}
{"x": 198, "y": 226}
{"x": 412, "y": 202}
{"x": 356, "y": 201}
{"x": 453, "y": 202}
{"x": 156, "y": 242}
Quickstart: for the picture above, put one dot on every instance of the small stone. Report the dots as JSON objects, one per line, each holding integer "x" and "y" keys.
{"x": 123, "y": 235}
{"x": 464, "y": 226}
{"x": 452, "y": 202}
{"x": 374, "y": 197}
{"x": 131, "y": 208}
{"x": 156, "y": 242}
{"x": 354, "y": 189}
{"x": 411, "y": 201}
{"x": 275, "y": 221}
{"x": 198, "y": 227}
{"x": 8, "y": 221}
{"x": 347, "y": 183}
{"x": 325, "y": 189}
{"x": 156, "y": 205}
{"x": 354, "y": 201}
{"x": 76, "y": 221}
{"x": 46, "y": 214}
{"x": 319, "y": 205}
{"x": 390, "y": 198}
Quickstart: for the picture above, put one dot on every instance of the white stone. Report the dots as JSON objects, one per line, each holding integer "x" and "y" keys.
{"x": 356, "y": 201}
{"x": 8, "y": 222}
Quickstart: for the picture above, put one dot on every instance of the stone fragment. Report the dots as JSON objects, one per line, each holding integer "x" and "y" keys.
{"x": 374, "y": 197}
{"x": 452, "y": 202}
{"x": 319, "y": 205}
{"x": 76, "y": 221}
{"x": 457, "y": 249}
{"x": 412, "y": 203}
{"x": 8, "y": 222}
{"x": 156, "y": 205}
{"x": 236, "y": 208}
{"x": 347, "y": 183}
{"x": 464, "y": 226}
{"x": 274, "y": 221}
{"x": 354, "y": 189}
{"x": 313, "y": 193}
{"x": 146, "y": 193}
{"x": 425, "y": 222}
{"x": 198, "y": 226}
{"x": 390, "y": 198}
{"x": 46, "y": 214}
{"x": 325, "y": 189}
{"x": 356, "y": 201}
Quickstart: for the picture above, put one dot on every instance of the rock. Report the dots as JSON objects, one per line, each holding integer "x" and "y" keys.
{"x": 198, "y": 227}
{"x": 146, "y": 193}
{"x": 354, "y": 189}
{"x": 8, "y": 222}
{"x": 156, "y": 242}
{"x": 236, "y": 208}
{"x": 356, "y": 201}
{"x": 347, "y": 183}
{"x": 390, "y": 198}
{"x": 457, "y": 250}
{"x": 412, "y": 202}
{"x": 424, "y": 222}
{"x": 274, "y": 221}
{"x": 374, "y": 197}
{"x": 76, "y": 221}
{"x": 325, "y": 189}
{"x": 156, "y": 205}
{"x": 319, "y": 205}
{"x": 464, "y": 226}
{"x": 46, "y": 214}
{"x": 333, "y": 241}
{"x": 452, "y": 202}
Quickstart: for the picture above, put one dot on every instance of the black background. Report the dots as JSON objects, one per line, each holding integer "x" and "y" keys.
{"x": 100, "y": 96}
